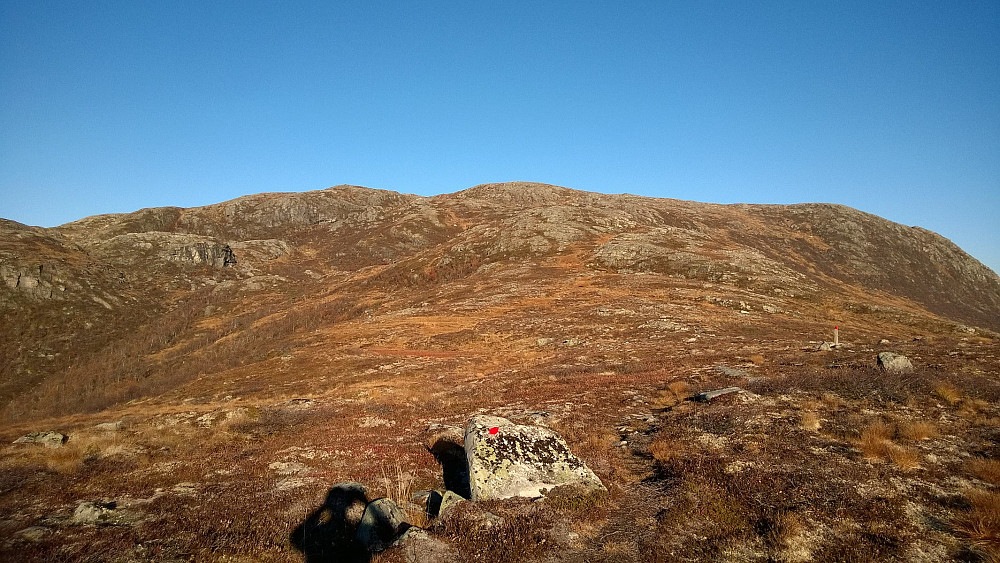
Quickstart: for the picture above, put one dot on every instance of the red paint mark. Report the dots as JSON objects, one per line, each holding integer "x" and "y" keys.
{"x": 836, "y": 328}
{"x": 494, "y": 430}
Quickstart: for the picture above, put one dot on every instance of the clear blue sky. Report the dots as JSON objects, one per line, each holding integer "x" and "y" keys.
{"x": 889, "y": 107}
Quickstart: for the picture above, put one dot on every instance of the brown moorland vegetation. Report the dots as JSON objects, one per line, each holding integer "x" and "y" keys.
{"x": 356, "y": 320}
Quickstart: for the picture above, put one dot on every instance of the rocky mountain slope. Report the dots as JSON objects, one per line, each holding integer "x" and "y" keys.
{"x": 67, "y": 290}
{"x": 339, "y": 324}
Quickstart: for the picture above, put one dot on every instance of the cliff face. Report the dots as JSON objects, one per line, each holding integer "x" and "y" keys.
{"x": 75, "y": 292}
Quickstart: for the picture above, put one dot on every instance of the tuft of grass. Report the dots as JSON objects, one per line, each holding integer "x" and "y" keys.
{"x": 675, "y": 393}
{"x": 985, "y": 469}
{"x": 981, "y": 523}
{"x": 917, "y": 430}
{"x": 757, "y": 359}
{"x": 398, "y": 486}
{"x": 809, "y": 420}
{"x": 876, "y": 444}
{"x": 662, "y": 450}
{"x": 948, "y": 392}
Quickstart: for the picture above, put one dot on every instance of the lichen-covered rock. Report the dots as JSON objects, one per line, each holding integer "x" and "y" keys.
{"x": 382, "y": 522}
{"x": 894, "y": 363}
{"x": 511, "y": 460}
{"x": 420, "y": 547}
{"x": 448, "y": 500}
{"x": 47, "y": 439}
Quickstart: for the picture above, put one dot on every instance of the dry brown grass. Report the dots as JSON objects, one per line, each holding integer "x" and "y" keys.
{"x": 917, "y": 430}
{"x": 398, "y": 487}
{"x": 757, "y": 359}
{"x": 981, "y": 523}
{"x": 876, "y": 444}
{"x": 79, "y": 449}
{"x": 985, "y": 469}
{"x": 947, "y": 391}
{"x": 810, "y": 420}
{"x": 663, "y": 450}
{"x": 675, "y": 392}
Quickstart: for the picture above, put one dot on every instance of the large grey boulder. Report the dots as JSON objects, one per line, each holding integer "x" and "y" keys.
{"x": 48, "y": 439}
{"x": 894, "y": 363}
{"x": 382, "y": 522}
{"x": 512, "y": 460}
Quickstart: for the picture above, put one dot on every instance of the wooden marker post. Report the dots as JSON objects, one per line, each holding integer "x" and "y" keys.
{"x": 836, "y": 336}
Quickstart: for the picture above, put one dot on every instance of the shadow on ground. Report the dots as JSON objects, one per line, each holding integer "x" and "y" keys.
{"x": 454, "y": 466}
{"x": 327, "y": 535}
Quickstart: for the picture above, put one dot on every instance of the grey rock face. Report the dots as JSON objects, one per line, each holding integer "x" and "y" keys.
{"x": 894, "y": 363}
{"x": 381, "y": 524}
{"x": 48, "y": 439}
{"x": 510, "y": 460}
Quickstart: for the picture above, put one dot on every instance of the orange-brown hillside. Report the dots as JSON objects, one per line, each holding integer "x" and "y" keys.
{"x": 259, "y": 350}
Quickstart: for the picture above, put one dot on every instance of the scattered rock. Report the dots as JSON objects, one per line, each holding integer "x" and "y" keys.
{"x": 709, "y": 395}
{"x": 544, "y": 341}
{"x": 509, "y": 460}
{"x": 382, "y": 522}
{"x": 420, "y": 547}
{"x": 95, "y": 513}
{"x": 884, "y": 341}
{"x": 33, "y": 533}
{"x": 894, "y": 363}
{"x": 731, "y": 372}
{"x": 288, "y": 468}
{"x": 109, "y": 426}
{"x": 825, "y": 347}
{"x": 48, "y": 439}
{"x": 448, "y": 500}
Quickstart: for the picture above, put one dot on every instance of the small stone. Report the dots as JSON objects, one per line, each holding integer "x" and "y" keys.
{"x": 894, "y": 363}
{"x": 730, "y": 372}
{"x": 449, "y": 500}
{"x": 709, "y": 395}
{"x": 33, "y": 533}
{"x": 825, "y": 347}
{"x": 288, "y": 468}
{"x": 382, "y": 522}
{"x": 109, "y": 426}
{"x": 89, "y": 512}
{"x": 884, "y": 341}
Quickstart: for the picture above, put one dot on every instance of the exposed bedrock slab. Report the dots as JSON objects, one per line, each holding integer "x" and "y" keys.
{"x": 513, "y": 460}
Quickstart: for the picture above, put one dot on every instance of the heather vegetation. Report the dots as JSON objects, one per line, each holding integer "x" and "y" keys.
{"x": 211, "y": 412}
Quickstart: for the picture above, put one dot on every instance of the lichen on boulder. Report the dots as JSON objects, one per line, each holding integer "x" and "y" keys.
{"x": 512, "y": 460}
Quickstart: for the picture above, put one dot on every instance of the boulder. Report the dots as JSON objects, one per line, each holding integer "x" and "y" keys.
{"x": 420, "y": 547}
{"x": 894, "y": 363}
{"x": 511, "y": 460}
{"x": 48, "y": 439}
{"x": 382, "y": 522}
{"x": 91, "y": 513}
